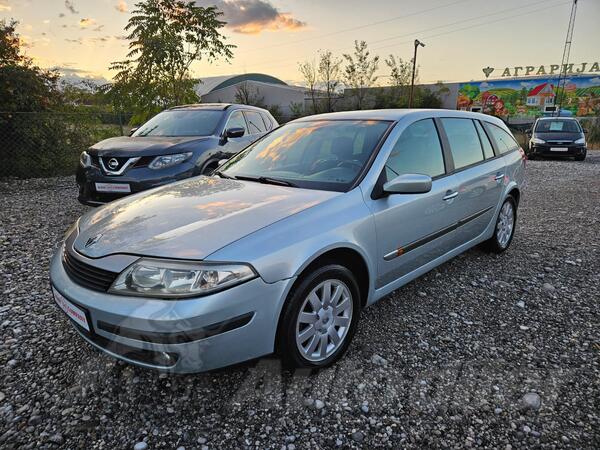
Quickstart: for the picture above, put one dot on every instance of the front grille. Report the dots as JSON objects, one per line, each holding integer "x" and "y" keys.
{"x": 87, "y": 276}
{"x": 120, "y": 161}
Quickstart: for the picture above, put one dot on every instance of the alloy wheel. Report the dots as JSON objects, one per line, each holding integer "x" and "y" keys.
{"x": 324, "y": 320}
{"x": 505, "y": 225}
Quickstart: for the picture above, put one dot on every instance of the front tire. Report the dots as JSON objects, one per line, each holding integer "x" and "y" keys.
{"x": 581, "y": 157}
{"x": 504, "y": 229}
{"x": 319, "y": 318}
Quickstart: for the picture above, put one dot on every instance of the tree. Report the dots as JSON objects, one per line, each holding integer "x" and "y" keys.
{"x": 400, "y": 75}
{"x": 360, "y": 70}
{"x": 246, "y": 95}
{"x": 166, "y": 37}
{"x": 308, "y": 70}
{"x": 329, "y": 74}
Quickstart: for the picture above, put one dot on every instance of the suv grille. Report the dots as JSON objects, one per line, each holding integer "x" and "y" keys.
{"x": 87, "y": 276}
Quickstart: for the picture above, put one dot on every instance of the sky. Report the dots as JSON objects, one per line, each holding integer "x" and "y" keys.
{"x": 82, "y": 37}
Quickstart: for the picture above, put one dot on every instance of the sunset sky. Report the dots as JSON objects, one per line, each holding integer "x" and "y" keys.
{"x": 82, "y": 37}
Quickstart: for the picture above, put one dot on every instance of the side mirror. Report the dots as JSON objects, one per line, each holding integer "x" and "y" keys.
{"x": 410, "y": 183}
{"x": 235, "y": 132}
{"x": 133, "y": 130}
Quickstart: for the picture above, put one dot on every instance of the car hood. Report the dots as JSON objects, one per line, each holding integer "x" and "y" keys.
{"x": 190, "y": 219}
{"x": 144, "y": 146}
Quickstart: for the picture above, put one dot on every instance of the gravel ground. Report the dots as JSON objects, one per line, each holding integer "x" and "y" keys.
{"x": 486, "y": 351}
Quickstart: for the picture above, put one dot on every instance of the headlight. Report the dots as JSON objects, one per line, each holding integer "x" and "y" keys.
{"x": 580, "y": 141}
{"x": 172, "y": 279}
{"x": 537, "y": 141}
{"x": 160, "y": 162}
{"x": 85, "y": 159}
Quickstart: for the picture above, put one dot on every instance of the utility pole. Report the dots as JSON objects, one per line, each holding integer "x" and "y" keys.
{"x": 412, "y": 83}
{"x": 562, "y": 77}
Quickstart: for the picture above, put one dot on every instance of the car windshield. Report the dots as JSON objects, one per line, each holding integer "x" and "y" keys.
{"x": 181, "y": 123}
{"x": 322, "y": 154}
{"x": 557, "y": 126}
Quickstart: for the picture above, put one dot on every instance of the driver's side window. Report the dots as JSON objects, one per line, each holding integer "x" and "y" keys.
{"x": 236, "y": 120}
{"x": 418, "y": 150}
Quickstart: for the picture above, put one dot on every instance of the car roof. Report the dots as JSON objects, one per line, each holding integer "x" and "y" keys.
{"x": 215, "y": 107}
{"x": 399, "y": 114}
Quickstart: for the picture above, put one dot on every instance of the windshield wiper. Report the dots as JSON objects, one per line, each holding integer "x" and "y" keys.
{"x": 224, "y": 175}
{"x": 267, "y": 180}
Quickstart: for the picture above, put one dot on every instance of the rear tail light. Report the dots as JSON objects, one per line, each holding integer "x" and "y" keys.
{"x": 523, "y": 155}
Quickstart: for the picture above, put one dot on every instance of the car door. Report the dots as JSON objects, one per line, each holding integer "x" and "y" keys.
{"x": 480, "y": 173}
{"x": 256, "y": 125}
{"x": 414, "y": 229}
{"x": 235, "y": 145}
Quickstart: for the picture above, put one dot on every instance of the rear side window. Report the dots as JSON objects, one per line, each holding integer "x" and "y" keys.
{"x": 267, "y": 121}
{"x": 255, "y": 122}
{"x": 504, "y": 141}
{"x": 418, "y": 150}
{"x": 488, "y": 150}
{"x": 464, "y": 142}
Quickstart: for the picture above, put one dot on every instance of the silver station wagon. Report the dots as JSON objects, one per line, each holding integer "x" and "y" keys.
{"x": 281, "y": 248}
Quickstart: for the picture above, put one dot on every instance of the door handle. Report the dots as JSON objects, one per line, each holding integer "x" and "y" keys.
{"x": 499, "y": 177}
{"x": 450, "y": 195}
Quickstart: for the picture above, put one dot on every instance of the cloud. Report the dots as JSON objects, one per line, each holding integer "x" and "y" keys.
{"x": 86, "y": 22}
{"x": 121, "y": 6}
{"x": 71, "y": 7}
{"x": 74, "y": 41}
{"x": 99, "y": 28}
{"x": 4, "y": 6}
{"x": 254, "y": 16}
{"x": 61, "y": 15}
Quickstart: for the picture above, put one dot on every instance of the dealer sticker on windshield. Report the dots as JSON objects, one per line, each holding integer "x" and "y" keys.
{"x": 113, "y": 187}
{"x": 74, "y": 312}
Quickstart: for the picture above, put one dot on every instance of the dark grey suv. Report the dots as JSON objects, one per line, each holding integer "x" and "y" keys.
{"x": 177, "y": 143}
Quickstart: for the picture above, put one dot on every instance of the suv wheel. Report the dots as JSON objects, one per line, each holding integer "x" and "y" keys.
{"x": 505, "y": 227}
{"x": 320, "y": 318}
{"x": 581, "y": 157}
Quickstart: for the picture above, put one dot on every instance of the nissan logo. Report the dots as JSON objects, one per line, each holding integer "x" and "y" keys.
{"x": 113, "y": 163}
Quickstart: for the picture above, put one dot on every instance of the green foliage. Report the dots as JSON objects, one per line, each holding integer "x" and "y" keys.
{"x": 470, "y": 90}
{"x": 166, "y": 37}
{"x": 359, "y": 73}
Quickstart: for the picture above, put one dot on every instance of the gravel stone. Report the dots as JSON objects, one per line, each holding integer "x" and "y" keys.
{"x": 458, "y": 370}
{"x": 140, "y": 446}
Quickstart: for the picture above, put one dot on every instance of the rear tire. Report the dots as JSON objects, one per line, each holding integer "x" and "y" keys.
{"x": 504, "y": 229}
{"x": 319, "y": 318}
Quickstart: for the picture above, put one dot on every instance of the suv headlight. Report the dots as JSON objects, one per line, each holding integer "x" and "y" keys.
{"x": 149, "y": 277}
{"x": 160, "y": 162}
{"x": 580, "y": 141}
{"x": 85, "y": 159}
{"x": 537, "y": 141}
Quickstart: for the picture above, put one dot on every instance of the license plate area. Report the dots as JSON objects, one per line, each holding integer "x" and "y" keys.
{"x": 559, "y": 149}
{"x": 122, "y": 188}
{"x": 76, "y": 313}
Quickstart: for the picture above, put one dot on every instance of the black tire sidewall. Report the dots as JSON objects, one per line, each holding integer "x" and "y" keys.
{"x": 286, "y": 341}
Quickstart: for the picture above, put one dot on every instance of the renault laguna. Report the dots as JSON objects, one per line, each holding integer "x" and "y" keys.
{"x": 283, "y": 246}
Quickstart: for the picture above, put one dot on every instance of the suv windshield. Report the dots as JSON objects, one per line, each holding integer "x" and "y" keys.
{"x": 181, "y": 123}
{"x": 557, "y": 126}
{"x": 323, "y": 154}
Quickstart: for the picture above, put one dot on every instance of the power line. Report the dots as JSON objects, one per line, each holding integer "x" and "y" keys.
{"x": 360, "y": 27}
{"x": 269, "y": 63}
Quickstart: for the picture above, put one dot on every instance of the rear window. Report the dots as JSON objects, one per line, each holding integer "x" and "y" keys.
{"x": 557, "y": 126}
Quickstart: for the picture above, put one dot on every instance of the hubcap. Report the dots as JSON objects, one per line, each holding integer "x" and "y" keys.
{"x": 324, "y": 320}
{"x": 506, "y": 221}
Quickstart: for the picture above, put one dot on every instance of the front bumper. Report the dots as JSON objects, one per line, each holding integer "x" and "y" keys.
{"x": 546, "y": 150}
{"x": 138, "y": 178}
{"x": 182, "y": 336}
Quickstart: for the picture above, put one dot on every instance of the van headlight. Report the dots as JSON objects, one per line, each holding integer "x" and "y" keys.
{"x": 580, "y": 141}
{"x": 537, "y": 141}
{"x": 150, "y": 277}
{"x": 160, "y": 162}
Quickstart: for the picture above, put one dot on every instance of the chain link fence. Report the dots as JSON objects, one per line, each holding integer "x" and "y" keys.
{"x": 47, "y": 144}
